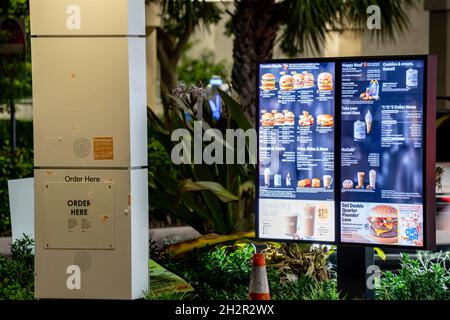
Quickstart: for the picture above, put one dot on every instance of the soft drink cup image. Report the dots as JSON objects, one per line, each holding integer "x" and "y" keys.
{"x": 361, "y": 179}
{"x": 291, "y": 222}
{"x": 327, "y": 181}
{"x": 267, "y": 177}
{"x": 308, "y": 221}
{"x": 372, "y": 178}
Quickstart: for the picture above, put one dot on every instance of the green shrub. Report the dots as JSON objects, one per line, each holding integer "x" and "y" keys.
{"x": 304, "y": 287}
{"x": 217, "y": 197}
{"x": 17, "y": 272}
{"x": 200, "y": 71}
{"x": 425, "y": 278}
{"x": 24, "y": 134}
{"x": 170, "y": 295}
{"x": 158, "y": 160}
{"x": 223, "y": 273}
{"x": 20, "y": 166}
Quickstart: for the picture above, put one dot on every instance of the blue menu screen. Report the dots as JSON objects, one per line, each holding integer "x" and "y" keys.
{"x": 382, "y": 152}
{"x": 296, "y": 151}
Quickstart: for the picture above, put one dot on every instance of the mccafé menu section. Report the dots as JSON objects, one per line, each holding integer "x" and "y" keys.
{"x": 296, "y": 151}
{"x": 345, "y": 150}
{"x": 382, "y": 152}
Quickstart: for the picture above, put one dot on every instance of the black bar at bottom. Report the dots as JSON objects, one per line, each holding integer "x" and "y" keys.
{"x": 352, "y": 264}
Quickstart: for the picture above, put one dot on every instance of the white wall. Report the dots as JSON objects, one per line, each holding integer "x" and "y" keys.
{"x": 24, "y": 111}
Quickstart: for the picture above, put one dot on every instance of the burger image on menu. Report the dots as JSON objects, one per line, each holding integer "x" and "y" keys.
{"x": 303, "y": 80}
{"x": 289, "y": 118}
{"x": 299, "y": 81}
{"x": 279, "y": 119}
{"x": 309, "y": 79}
{"x": 268, "y": 82}
{"x": 315, "y": 183}
{"x": 267, "y": 119}
{"x": 325, "y": 120}
{"x": 286, "y": 83}
{"x": 383, "y": 224}
{"x": 325, "y": 81}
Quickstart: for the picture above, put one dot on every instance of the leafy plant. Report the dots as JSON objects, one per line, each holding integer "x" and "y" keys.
{"x": 302, "y": 288}
{"x": 199, "y": 71}
{"x": 24, "y": 134}
{"x": 424, "y": 278}
{"x": 17, "y": 273}
{"x": 179, "y": 21}
{"x": 15, "y": 70}
{"x": 208, "y": 240}
{"x": 223, "y": 273}
{"x": 159, "y": 159}
{"x": 170, "y": 295}
{"x": 439, "y": 173}
{"x": 210, "y": 197}
{"x": 17, "y": 165}
{"x": 215, "y": 273}
{"x": 303, "y": 259}
{"x": 298, "y": 27}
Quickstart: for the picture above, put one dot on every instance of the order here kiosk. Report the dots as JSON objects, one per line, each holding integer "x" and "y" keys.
{"x": 90, "y": 144}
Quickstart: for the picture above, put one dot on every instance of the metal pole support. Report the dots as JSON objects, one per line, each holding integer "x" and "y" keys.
{"x": 352, "y": 264}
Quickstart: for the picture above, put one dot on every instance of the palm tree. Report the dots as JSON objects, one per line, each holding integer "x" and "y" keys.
{"x": 179, "y": 21}
{"x": 299, "y": 25}
{"x": 15, "y": 69}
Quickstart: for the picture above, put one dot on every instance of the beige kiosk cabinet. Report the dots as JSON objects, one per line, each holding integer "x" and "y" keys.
{"x": 90, "y": 140}
{"x": 89, "y": 83}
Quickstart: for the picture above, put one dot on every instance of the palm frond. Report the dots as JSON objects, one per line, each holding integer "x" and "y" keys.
{"x": 308, "y": 21}
{"x": 393, "y": 14}
{"x": 188, "y": 15}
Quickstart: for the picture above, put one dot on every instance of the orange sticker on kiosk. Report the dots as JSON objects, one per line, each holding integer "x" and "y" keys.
{"x": 103, "y": 148}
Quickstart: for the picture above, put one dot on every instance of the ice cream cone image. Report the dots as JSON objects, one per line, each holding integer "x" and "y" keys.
{"x": 368, "y": 121}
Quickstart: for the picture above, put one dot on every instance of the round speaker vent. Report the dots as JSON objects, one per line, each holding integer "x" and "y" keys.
{"x": 83, "y": 260}
{"x": 81, "y": 147}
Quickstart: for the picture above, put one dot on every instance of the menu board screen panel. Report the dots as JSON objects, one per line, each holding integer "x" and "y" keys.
{"x": 296, "y": 119}
{"x": 382, "y": 152}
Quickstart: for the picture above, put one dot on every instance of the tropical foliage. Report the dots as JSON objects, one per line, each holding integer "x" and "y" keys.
{"x": 211, "y": 197}
{"x": 295, "y": 259}
{"x": 15, "y": 71}
{"x": 179, "y": 21}
{"x": 298, "y": 26}
{"x": 17, "y": 272}
{"x": 223, "y": 273}
{"x": 424, "y": 278}
{"x": 12, "y": 166}
{"x": 199, "y": 71}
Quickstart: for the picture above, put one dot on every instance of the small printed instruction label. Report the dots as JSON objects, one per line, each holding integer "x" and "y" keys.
{"x": 103, "y": 148}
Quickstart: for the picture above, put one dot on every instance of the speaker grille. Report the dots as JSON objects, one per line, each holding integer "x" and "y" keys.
{"x": 81, "y": 147}
{"x": 83, "y": 260}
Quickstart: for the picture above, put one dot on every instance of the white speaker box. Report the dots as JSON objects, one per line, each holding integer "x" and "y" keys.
{"x": 96, "y": 220}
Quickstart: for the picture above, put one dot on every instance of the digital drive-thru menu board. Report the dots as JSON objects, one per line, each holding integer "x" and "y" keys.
{"x": 346, "y": 151}
{"x": 382, "y": 151}
{"x": 296, "y": 151}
